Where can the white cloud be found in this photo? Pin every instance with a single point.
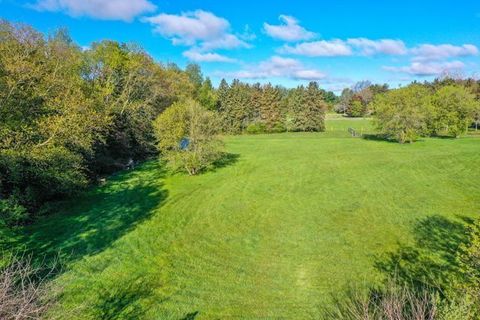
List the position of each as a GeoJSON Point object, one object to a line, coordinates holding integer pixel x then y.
{"type": "Point", "coordinates": [227, 41]}
{"type": "Point", "coordinates": [383, 46]}
{"type": "Point", "coordinates": [196, 28]}
{"type": "Point", "coordinates": [338, 47]}
{"type": "Point", "coordinates": [188, 28]}
{"type": "Point", "coordinates": [443, 51]}
{"type": "Point", "coordinates": [125, 10]}
{"type": "Point", "coordinates": [429, 68]}
{"type": "Point", "coordinates": [279, 67]}
{"type": "Point", "coordinates": [288, 31]}
{"type": "Point", "coordinates": [320, 48]}
{"type": "Point", "coordinates": [206, 57]}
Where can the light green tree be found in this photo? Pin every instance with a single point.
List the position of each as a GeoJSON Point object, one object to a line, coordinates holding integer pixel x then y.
{"type": "Point", "coordinates": [188, 137]}
{"type": "Point", "coordinates": [454, 106]}
{"type": "Point", "coordinates": [403, 114]}
{"type": "Point", "coordinates": [207, 95]}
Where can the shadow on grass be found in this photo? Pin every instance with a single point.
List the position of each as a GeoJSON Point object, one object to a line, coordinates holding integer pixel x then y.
{"type": "Point", "coordinates": [93, 221]}
{"type": "Point", "coordinates": [431, 262]}
{"type": "Point", "coordinates": [123, 301]}
{"type": "Point", "coordinates": [413, 275]}
{"type": "Point", "coordinates": [191, 316]}
{"type": "Point", "coordinates": [376, 137]}
{"type": "Point", "coordinates": [227, 159]}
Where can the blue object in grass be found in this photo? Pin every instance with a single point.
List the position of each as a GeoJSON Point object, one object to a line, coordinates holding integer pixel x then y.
{"type": "Point", "coordinates": [184, 143]}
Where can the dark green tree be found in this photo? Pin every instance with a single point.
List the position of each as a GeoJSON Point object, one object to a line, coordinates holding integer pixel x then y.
{"type": "Point", "coordinates": [271, 113]}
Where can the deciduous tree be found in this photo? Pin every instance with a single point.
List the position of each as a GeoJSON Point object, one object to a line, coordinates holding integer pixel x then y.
{"type": "Point", "coordinates": [187, 137]}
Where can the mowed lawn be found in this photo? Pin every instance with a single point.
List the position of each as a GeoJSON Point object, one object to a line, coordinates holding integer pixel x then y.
{"type": "Point", "coordinates": [289, 220]}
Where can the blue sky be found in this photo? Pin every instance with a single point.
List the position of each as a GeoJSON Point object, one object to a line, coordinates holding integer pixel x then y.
{"type": "Point", "coordinates": [285, 42]}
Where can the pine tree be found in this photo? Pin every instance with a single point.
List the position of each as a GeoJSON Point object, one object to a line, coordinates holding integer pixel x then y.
{"type": "Point", "coordinates": [313, 113]}
{"type": "Point", "coordinates": [296, 104]}
{"type": "Point", "coordinates": [270, 109]}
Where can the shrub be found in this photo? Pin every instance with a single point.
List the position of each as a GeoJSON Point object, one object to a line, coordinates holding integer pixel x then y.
{"type": "Point", "coordinates": [278, 128]}
{"type": "Point", "coordinates": [33, 177]}
{"type": "Point", "coordinates": [393, 302]}
{"type": "Point", "coordinates": [11, 212]}
{"type": "Point", "coordinates": [468, 259]}
{"type": "Point", "coordinates": [187, 137]}
{"type": "Point", "coordinates": [24, 290]}
{"type": "Point", "coordinates": [255, 128]}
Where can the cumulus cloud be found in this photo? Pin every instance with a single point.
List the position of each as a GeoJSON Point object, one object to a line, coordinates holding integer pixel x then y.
{"type": "Point", "coordinates": [279, 67]}
{"type": "Point", "coordinates": [429, 68]}
{"type": "Point", "coordinates": [320, 48]}
{"type": "Point", "coordinates": [443, 51]}
{"type": "Point", "coordinates": [289, 30]}
{"type": "Point", "coordinates": [383, 46]}
{"type": "Point", "coordinates": [338, 47]}
{"type": "Point", "coordinates": [196, 28]}
{"type": "Point", "coordinates": [227, 41]}
{"type": "Point", "coordinates": [125, 10]}
{"type": "Point", "coordinates": [206, 57]}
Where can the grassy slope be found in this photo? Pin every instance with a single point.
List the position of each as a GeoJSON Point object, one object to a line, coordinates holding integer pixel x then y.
{"type": "Point", "coordinates": [296, 217]}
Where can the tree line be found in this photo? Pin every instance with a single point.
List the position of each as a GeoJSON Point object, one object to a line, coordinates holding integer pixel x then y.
{"type": "Point", "coordinates": [443, 108]}
{"type": "Point", "coordinates": [257, 108]}
{"type": "Point", "coordinates": [70, 115]}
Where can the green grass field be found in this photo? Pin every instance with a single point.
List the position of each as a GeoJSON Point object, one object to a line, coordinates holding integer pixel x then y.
{"type": "Point", "coordinates": [289, 220]}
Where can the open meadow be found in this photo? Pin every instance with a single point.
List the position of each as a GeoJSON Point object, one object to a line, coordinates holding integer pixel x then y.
{"type": "Point", "coordinates": [284, 222]}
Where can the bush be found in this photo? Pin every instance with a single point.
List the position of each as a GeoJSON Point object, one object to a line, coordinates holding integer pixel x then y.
{"type": "Point", "coordinates": [468, 259]}
{"type": "Point", "coordinates": [256, 128]}
{"type": "Point", "coordinates": [393, 302]}
{"type": "Point", "coordinates": [24, 290]}
{"type": "Point", "coordinates": [33, 177]}
{"type": "Point", "coordinates": [188, 137]}
{"type": "Point", "coordinates": [278, 128]}
{"type": "Point", "coordinates": [12, 213]}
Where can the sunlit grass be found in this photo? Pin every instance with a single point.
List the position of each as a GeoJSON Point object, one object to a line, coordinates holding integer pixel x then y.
{"type": "Point", "coordinates": [297, 217]}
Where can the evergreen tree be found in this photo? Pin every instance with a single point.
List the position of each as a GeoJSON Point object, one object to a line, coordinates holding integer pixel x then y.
{"type": "Point", "coordinates": [270, 109]}
{"type": "Point", "coordinates": [295, 104]}
{"type": "Point", "coordinates": [313, 113]}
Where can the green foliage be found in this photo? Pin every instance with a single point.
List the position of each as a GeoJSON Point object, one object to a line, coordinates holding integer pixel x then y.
{"type": "Point", "coordinates": [403, 114]}
{"type": "Point", "coordinates": [234, 106]}
{"type": "Point", "coordinates": [35, 176]}
{"type": "Point", "coordinates": [68, 115]}
{"type": "Point", "coordinates": [270, 108]}
{"type": "Point", "coordinates": [421, 110]}
{"type": "Point", "coordinates": [256, 128]}
{"type": "Point", "coordinates": [354, 102]}
{"type": "Point", "coordinates": [356, 109]}
{"type": "Point", "coordinates": [469, 265]}
{"type": "Point", "coordinates": [207, 95]}
{"type": "Point", "coordinates": [454, 106]}
{"type": "Point", "coordinates": [11, 213]}
{"type": "Point", "coordinates": [188, 120]}
{"type": "Point", "coordinates": [278, 109]}
{"type": "Point", "coordinates": [307, 109]}
{"type": "Point", "coordinates": [195, 76]}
